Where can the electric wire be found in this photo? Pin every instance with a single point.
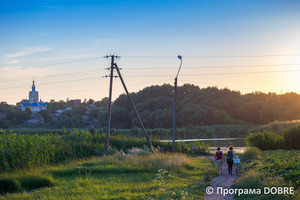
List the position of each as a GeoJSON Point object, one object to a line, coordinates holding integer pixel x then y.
{"type": "Point", "coordinates": [209, 67]}
{"type": "Point", "coordinates": [51, 83]}
{"type": "Point", "coordinates": [51, 76]}
{"type": "Point", "coordinates": [216, 56]}
{"type": "Point", "coordinates": [229, 73]}
{"type": "Point", "coordinates": [162, 75]}
{"type": "Point", "coordinates": [52, 64]}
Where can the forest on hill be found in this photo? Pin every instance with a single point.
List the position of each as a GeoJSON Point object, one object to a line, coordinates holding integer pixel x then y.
{"type": "Point", "coordinates": [195, 106]}
{"type": "Point", "coordinates": [203, 106]}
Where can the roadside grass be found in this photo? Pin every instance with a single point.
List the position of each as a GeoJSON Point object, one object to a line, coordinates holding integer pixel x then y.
{"type": "Point", "coordinates": [124, 176]}
{"type": "Point", "coordinates": [276, 168]}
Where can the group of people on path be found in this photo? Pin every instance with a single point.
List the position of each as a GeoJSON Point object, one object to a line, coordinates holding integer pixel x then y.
{"type": "Point", "coordinates": [220, 159]}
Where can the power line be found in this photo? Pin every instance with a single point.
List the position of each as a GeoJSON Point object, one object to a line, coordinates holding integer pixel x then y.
{"type": "Point", "coordinates": [51, 64]}
{"type": "Point", "coordinates": [156, 57]}
{"type": "Point", "coordinates": [85, 79]}
{"type": "Point", "coordinates": [219, 66]}
{"type": "Point", "coordinates": [56, 75]}
{"type": "Point", "coordinates": [95, 89]}
{"type": "Point", "coordinates": [164, 75]}
{"type": "Point", "coordinates": [216, 56]}
{"type": "Point", "coordinates": [230, 73]}
{"type": "Point", "coordinates": [208, 67]}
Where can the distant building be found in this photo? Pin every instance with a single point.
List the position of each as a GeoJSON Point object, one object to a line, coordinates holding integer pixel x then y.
{"type": "Point", "coordinates": [34, 104]}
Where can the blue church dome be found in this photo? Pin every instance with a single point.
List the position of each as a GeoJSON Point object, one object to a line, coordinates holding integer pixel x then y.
{"type": "Point", "coordinates": [34, 104]}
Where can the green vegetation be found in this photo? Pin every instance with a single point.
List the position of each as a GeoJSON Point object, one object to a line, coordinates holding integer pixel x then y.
{"type": "Point", "coordinates": [279, 168]}
{"type": "Point", "coordinates": [17, 184]}
{"type": "Point", "coordinates": [138, 174]}
{"type": "Point", "coordinates": [19, 151]}
{"type": "Point", "coordinates": [24, 151]}
{"type": "Point", "coordinates": [288, 139]}
{"type": "Point", "coordinates": [213, 131]}
{"type": "Point", "coordinates": [206, 106]}
{"type": "Point", "coordinates": [265, 140]}
{"type": "Point", "coordinates": [196, 107]}
{"type": "Point", "coordinates": [9, 185]}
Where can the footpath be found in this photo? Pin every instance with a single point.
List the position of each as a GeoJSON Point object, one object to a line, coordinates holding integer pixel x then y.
{"type": "Point", "coordinates": [225, 181]}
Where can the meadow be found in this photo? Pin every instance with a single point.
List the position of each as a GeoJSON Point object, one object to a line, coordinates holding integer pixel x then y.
{"type": "Point", "coordinates": [139, 174]}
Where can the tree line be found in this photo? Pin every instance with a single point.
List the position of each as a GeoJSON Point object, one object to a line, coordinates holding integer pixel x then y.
{"type": "Point", "coordinates": [204, 106]}
{"type": "Point", "coordinates": [196, 106]}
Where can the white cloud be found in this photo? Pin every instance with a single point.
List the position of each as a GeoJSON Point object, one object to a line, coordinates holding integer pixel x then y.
{"type": "Point", "coordinates": [28, 51]}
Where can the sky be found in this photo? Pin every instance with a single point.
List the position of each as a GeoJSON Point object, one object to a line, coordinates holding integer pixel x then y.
{"type": "Point", "coordinates": [247, 46]}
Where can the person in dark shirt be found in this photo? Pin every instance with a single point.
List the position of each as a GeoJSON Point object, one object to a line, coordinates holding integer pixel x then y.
{"type": "Point", "coordinates": [229, 158]}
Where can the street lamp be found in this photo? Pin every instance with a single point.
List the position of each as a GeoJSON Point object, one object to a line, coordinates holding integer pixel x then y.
{"type": "Point", "coordinates": [174, 108]}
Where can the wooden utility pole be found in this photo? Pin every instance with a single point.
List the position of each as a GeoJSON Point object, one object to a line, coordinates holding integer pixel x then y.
{"type": "Point", "coordinates": [112, 67]}
{"type": "Point", "coordinates": [109, 101]}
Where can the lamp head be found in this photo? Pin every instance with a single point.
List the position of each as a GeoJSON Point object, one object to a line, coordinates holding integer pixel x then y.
{"type": "Point", "coordinates": [179, 56]}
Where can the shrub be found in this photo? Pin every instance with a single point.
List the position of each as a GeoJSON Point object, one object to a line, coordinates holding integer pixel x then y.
{"type": "Point", "coordinates": [9, 185]}
{"type": "Point", "coordinates": [34, 182]}
{"type": "Point", "coordinates": [292, 138]}
{"type": "Point", "coordinates": [265, 140]}
{"type": "Point", "coordinates": [250, 154]}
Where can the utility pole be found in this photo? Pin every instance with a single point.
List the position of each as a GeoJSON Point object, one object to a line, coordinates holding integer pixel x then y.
{"type": "Point", "coordinates": [109, 101]}
{"type": "Point", "coordinates": [174, 107]}
{"type": "Point", "coordinates": [112, 67]}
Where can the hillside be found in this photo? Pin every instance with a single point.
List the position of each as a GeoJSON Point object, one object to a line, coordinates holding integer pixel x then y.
{"type": "Point", "coordinates": [196, 106]}
{"type": "Point", "coordinates": [205, 106]}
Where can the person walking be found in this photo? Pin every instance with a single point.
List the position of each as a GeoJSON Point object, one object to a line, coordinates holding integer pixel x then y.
{"type": "Point", "coordinates": [219, 159]}
{"type": "Point", "coordinates": [229, 158]}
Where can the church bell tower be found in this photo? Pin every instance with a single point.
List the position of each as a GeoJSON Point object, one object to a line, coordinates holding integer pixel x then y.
{"type": "Point", "coordinates": [33, 95]}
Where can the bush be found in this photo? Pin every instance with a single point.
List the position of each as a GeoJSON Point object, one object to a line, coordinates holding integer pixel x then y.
{"type": "Point", "coordinates": [291, 138]}
{"type": "Point", "coordinates": [265, 140]}
{"type": "Point", "coordinates": [250, 154]}
{"type": "Point", "coordinates": [9, 185]}
{"type": "Point", "coordinates": [34, 182]}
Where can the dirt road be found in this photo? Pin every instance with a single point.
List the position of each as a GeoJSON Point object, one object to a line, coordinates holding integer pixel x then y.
{"type": "Point", "coordinates": [225, 181]}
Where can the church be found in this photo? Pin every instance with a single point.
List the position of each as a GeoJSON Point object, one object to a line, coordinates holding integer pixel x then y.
{"type": "Point", "coordinates": [34, 104]}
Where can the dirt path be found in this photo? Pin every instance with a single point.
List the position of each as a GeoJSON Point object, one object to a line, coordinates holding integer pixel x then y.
{"type": "Point", "coordinates": [225, 181]}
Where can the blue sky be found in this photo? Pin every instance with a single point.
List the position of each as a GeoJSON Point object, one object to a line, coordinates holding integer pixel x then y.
{"type": "Point", "coordinates": [35, 34]}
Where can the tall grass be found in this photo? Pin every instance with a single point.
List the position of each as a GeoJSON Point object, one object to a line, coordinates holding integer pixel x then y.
{"type": "Point", "coordinates": [23, 151]}
{"type": "Point", "coordinates": [19, 151]}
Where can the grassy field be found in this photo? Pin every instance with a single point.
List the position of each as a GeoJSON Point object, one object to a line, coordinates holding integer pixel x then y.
{"type": "Point", "coordinates": [276, 168]}
{"type": "Point", "coordinates": [135, 175]}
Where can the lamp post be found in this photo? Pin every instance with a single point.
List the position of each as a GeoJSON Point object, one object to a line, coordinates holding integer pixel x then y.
{"type": "Point", "coordinates": [174, 108]}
